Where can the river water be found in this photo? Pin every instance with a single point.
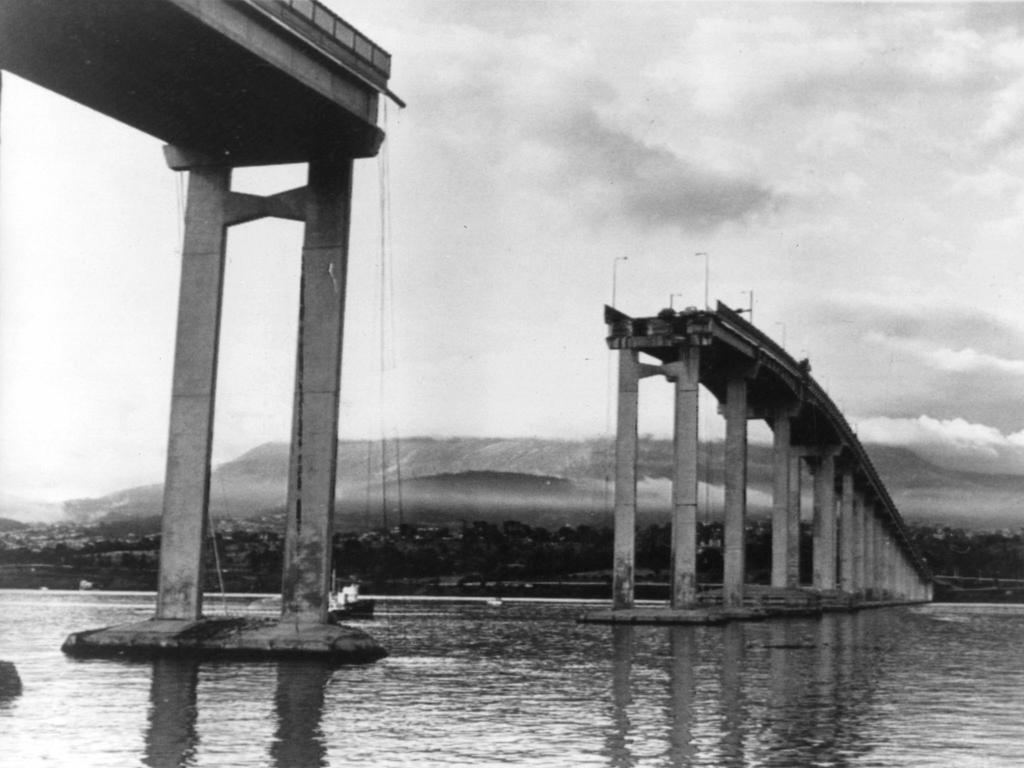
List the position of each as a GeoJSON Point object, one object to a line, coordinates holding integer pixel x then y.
{"type": "Point", "coordinates": [523, 684]}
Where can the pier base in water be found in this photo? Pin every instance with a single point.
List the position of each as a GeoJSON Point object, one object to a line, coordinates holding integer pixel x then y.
{"type": "Point", "coordinates": [762, 603]}
{"type": "Point", "coordinates": [235, 638]}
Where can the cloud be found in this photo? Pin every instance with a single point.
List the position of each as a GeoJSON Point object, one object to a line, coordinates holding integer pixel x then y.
{"type": "Point", "coordinates": [651, 185]}
{"type": "Point", "coordinates": [926, 330]}
{"type": "Point", "coordinates": [1003, 123]}
{"type": "Point", "coordinates": [900, 361]}
{"type": "Point", "coordinates": [832, 57]}
{"type": "Point", "coordinates": [952, 443]}
{"type": "Point", "coordinates": [925, 430]}
{"type": "Point", "coordinates": [992, 182]}
{"type": "Point", "coordinates": [943, 358]}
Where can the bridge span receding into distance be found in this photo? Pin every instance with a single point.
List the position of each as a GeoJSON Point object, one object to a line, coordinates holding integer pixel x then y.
{"type": "Point", "coordinates": [862, 553]}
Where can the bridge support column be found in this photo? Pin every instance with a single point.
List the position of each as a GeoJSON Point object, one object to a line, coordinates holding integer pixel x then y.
{"type": "Point", "coordinates": [625, 480]}
{"type": "Point", "coordinates": [314, 450]}
{"type": "Point", "coordinates": [796, 465]}
{"type": "Point", "coordinates": [686, 372]}
{"type": "Point", "coordinates": [187, 483]}
{"type": "Point", "coordinates": [785, 542]}
{"type": "Point", "coordinates": [858, 544]}
{"type": "Point", "coordinates": [823, 524]}
{"type": "Point", "coordinates": [890, 563]}
{"type": "Point", "coordinates": [734, 571]}
{"type": "Point", "coordinates": [847, 580]}
{"type": "Point", "coordinates": [872, 543]}
{"type": "Point", "coordinates": [880, 539]}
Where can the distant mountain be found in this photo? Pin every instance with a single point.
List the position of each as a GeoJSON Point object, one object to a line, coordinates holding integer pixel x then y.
{"type": "Point", "coordinates": [548, 482]}
{"type": "Point", "coordinates": [27, 511]}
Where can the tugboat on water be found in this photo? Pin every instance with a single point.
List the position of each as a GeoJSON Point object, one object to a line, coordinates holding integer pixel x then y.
{"type": "Point", "coordinates": [346, 604]}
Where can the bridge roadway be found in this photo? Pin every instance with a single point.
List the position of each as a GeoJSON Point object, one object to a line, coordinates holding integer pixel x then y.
{"type": "Point", "coordinates": [862, 553]}
{"type": "Point", "coordinates": [230, 84]}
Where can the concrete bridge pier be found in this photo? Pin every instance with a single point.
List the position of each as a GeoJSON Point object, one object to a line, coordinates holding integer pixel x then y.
{"type": "Point", "coordinates": [858, 544]}
{"type": "Point", "coordinates": [624, 555]}
{"type": "Point", "coordinates": [187, 484]}
{"type": "Point", "coordinates": [870, 547]}
{"type": "Point", "coordinates": [314, 448]}
{"type": "Point", "coordinates": [793, 557]}
{"type": "Point", "coordinates": [785, 502]}
{"type": "Point", "coordinates": [880, 550]}
{"type": "Point", "coordinates": [734, 567]}
{"type": "Point", "coordinates": [685, 373]}
{"type": "Point", "coordinates": [847, 578]}
{"type": "Point", "coordinates": [823, 522]}
{"type": "Point", "coordinates": [881, 571]}
{"type": "Point", "coordinates": [323, 205]}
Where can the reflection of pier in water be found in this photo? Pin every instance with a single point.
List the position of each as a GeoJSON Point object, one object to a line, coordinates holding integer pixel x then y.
{"type": "Point", "coordinates": [797, 691]}
{"type": "Point", "coordinates": [173, 736]}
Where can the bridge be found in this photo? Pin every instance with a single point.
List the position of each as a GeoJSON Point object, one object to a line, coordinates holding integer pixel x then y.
{"type": "Point", "coordinates": [231, 84]}
{"type": "Point", "coordinates": [262, 82]}
{"type": "Point", "coordinates": [862, 554]}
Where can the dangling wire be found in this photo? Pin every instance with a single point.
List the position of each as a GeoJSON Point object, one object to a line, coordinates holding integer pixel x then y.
{"type": "Point", "coordinates": [386, 307]}
{"type": "Point", "coordinates": [386, 294]}
{"type": "Point", "coordinates": [216, 550]}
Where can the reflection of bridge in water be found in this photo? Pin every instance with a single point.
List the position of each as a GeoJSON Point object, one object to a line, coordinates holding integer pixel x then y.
{"type": "Point", "coordinates": [173, 734]}
{"type": "Point", "coordinates": [861, 551]}
{"type": "Point", "coordinates": [793, 692]}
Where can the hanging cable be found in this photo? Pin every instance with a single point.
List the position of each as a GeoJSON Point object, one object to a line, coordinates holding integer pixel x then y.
{"type": "Point", "coordinates": [212, 525]}
{"type": "Point", "coordinates": [386, 322]}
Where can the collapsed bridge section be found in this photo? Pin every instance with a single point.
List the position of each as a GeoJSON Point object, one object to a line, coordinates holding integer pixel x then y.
{"type": "Point", "coordinates": [862, 552]}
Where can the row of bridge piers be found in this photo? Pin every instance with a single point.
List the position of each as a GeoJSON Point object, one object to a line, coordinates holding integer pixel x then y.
{"type": "Point", "coordinates": [861, 552]}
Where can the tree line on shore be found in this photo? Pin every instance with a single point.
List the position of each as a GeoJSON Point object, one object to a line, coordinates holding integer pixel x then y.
{"type": "Point", "coordinates": [465, 557]}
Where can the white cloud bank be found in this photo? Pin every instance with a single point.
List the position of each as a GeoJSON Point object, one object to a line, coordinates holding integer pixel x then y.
{"type": "Point", "coordinates": [951, 443]}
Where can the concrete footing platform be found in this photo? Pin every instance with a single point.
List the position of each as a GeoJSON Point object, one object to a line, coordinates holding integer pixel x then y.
{"type": "Point", "coordinates": [813, 605]}
{"type": "Point", "coordinates": [657, 615]}
{"type": "Point", "coordinates": [232, 638]}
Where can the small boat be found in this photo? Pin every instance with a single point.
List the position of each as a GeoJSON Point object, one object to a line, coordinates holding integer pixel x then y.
{"type": "Point", "coordinates": [85, 584]}
{"type": "Point", "coordinates": [494, 602]}
{"type": "Point", "coordinates": [346, 605]}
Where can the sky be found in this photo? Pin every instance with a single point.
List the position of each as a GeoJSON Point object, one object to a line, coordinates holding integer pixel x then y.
{"type": "Point", "coordinates": [858, 169]}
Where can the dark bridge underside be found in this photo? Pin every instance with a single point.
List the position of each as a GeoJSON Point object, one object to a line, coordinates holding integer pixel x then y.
{"type": "Point", "coordinates": [219, 78]}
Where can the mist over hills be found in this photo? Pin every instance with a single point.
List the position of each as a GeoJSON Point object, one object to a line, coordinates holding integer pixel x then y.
{"type": "Point", "coordinates": [549, 483]}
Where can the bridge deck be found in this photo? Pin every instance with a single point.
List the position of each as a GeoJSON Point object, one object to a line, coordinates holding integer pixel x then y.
{"type": "Point", "coordinates": [258, 81]}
